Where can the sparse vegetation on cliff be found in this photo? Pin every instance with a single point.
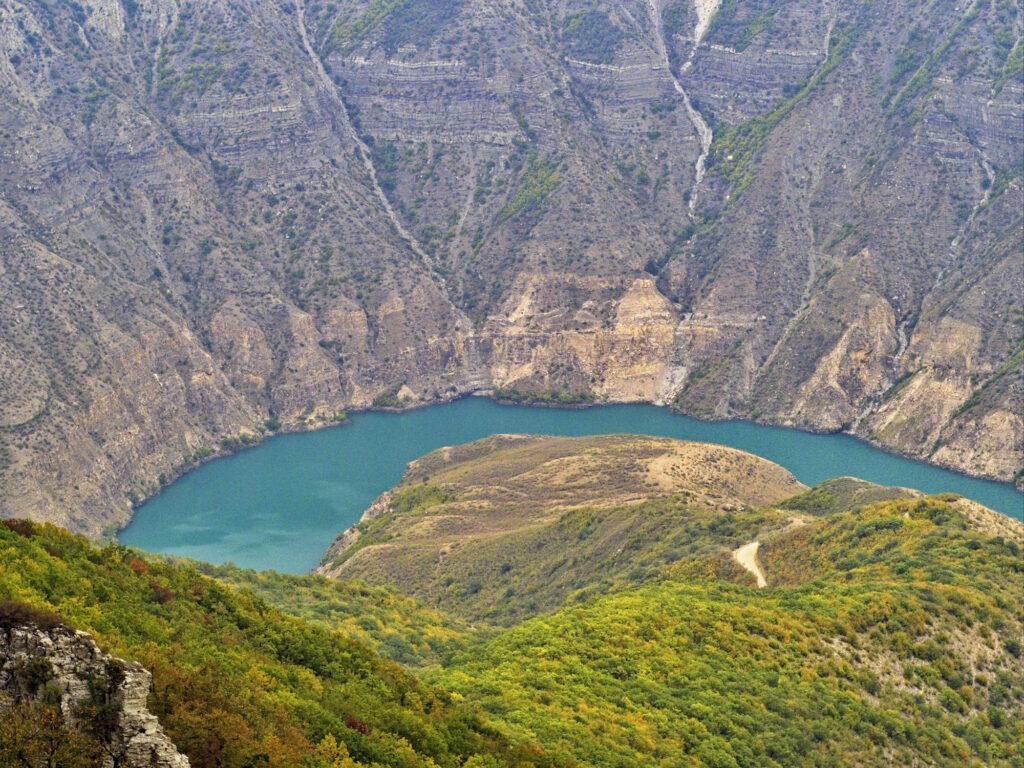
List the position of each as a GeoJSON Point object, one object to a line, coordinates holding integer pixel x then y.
{"type": "Point", "coordinates": [591, 35]}
{"type": "Point", "coordinates": [542, 397]}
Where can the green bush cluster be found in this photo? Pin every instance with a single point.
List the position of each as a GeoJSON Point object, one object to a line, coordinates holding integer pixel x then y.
{"type": "Point", "coordinates": [544, 396]}
{"type": "Point", "coordinates": [539, 180]}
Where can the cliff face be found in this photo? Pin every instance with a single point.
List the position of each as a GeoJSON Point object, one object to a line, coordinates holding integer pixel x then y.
{"type": "Point", "coordinates": [215, 216]}
{"type": "Point", "coordinates": [50, 662]}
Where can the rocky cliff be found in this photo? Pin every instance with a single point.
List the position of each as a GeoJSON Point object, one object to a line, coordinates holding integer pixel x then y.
{"type": "Point", "coordinates": [103, 696]}
{"type": "Point", "coordinates": [221, 219]}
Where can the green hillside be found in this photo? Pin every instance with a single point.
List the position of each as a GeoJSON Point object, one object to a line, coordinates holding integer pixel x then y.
{"type": "Point", "coordinates": [235, 682]}
{"type": "Point", "coordinates": [890, 630]}
{"type": "Point", "coordinates": [896, 641]}
{"type": "Point", "coordinates": [503, 528]}
{"type": "Point", "coordinates": [396, 626]}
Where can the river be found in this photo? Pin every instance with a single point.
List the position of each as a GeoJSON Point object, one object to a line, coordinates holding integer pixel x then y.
{"type": "Point", "coordinates": [280, 504]}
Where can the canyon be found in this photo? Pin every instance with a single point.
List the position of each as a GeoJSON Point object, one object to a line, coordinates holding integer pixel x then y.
{"type": "Point", "coordinates": [221, 222]}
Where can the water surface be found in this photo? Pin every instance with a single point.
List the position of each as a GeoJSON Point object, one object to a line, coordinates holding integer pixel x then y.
{"type": "Point", "coordinates": [279, 505]}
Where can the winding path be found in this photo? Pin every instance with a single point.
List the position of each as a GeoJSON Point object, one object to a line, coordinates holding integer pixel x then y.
{"type": "Point", "coordinates": [747, 557]}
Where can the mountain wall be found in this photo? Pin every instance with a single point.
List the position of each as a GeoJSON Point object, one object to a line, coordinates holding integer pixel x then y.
{"type": "Point", "coordinates": [221, 219]}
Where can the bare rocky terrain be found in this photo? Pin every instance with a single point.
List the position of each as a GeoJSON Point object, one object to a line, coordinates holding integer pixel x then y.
{"type": "Point", "coordinates": [222, 219]}
{"type": "Point", "coordinates": [49, 662]}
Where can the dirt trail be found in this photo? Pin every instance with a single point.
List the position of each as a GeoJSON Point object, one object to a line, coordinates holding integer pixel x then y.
{"type": "Point", "coordinates": [747, 557]}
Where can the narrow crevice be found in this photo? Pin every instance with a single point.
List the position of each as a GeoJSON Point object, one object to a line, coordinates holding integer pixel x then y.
{"type": "Point", "coordinates": [704, 133]}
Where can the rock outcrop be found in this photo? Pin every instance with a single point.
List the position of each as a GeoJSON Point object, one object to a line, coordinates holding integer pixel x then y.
{"type": "Point", "coordinates": [71, 668]}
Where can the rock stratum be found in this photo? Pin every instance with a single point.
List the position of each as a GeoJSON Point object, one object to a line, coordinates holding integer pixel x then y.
{"type": "Point", "coordinates": [98, 695]}
{"type": "Point", "coordinates": [220, 220]}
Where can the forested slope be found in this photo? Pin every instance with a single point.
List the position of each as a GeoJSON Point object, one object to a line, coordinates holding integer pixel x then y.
{"type": "Point", "coordinates": [890, 628]}
{"type": "Point", "coordinates": [236, 683]}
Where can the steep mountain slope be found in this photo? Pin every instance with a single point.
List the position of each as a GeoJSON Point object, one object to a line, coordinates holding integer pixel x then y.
{"type": "Point", "coordinates": [218, 219]}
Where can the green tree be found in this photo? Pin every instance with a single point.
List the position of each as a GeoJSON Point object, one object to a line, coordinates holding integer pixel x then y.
{"type": "Point", "coordinates": [35, 735]}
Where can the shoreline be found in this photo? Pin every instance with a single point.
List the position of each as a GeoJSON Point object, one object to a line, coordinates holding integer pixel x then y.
{"type": "Point", "coordinates": [224, 452]}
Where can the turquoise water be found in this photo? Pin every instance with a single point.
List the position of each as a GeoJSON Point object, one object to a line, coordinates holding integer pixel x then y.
{"type": "Point", "coordinates": [280, 505]}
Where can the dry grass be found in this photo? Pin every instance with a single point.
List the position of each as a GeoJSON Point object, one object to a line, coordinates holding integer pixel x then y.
{"type": "Point", "coordinates": [549, 519]}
